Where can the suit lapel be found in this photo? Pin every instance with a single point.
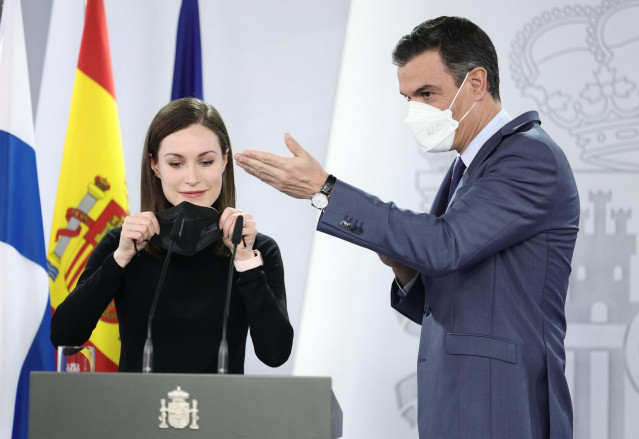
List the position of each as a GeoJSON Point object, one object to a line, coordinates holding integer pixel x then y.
{"type": "Point", "coordinates": [512, 127]}
{"type": "Point", "coordinates": [441, 199]}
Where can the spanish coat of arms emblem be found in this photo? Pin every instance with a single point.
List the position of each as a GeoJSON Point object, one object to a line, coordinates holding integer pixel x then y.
{"type": "Point", "coordinates": [178, 412]}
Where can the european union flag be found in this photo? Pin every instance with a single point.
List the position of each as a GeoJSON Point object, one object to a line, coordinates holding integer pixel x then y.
{"type": "Point", "coordinates": [187, 72]}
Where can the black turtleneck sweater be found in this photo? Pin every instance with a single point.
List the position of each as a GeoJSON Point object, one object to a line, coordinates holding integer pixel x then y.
{"type": "Point", "coordinates": [187, 326]}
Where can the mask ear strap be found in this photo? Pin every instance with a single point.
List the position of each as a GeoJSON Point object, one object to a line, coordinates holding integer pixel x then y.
{"type": "Point", "coordinates": [458, 90]}
{"type": "Point", "coordinates": [471, 107]}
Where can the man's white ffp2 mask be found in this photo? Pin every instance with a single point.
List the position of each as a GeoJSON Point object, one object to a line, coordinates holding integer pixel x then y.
{"type": "Point", "coordinates": [433, 129]}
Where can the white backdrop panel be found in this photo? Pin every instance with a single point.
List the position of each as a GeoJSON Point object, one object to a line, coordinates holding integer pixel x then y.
{"type": "Point", "coordinates": [574, 64]}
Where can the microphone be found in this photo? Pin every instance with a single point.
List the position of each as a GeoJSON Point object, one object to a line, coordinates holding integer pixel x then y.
{"type": "Point", "coordinates": [237, 231]}
{"type": "Point", "coordinates": [147, 355]}
{"type": "Point", "coordinates": [223, 352]}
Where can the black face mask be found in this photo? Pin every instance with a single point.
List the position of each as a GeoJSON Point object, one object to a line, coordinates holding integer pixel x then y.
{"type": "Point", "coordinates": [200, 229]}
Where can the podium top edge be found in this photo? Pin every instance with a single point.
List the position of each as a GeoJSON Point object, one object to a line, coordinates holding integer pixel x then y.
{"type": "Point", "coordinates": [194, 375]}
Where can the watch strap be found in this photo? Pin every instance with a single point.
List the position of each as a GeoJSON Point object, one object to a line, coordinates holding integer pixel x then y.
{"type": "Point", "coordinates": [328, 185]}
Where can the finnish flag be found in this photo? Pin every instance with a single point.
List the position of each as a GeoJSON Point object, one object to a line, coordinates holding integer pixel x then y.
{"type": "Point", "coordinates": [24, 290]}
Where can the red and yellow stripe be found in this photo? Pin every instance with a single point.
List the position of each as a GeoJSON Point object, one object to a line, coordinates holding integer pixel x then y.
{"type": "Point", "coordinates": [92, 195]}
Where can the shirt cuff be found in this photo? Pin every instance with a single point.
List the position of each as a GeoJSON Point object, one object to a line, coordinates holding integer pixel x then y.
{"type": "Point", "coordinates": [257, 261]}
{"type": "Point", "coordinates": [403, 291]}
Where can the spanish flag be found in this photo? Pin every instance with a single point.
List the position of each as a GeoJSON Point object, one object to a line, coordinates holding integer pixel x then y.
{"type": "Point", "coordinates": [92, 195]}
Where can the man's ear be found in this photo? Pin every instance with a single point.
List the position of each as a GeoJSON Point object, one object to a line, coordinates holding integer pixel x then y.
{"type": "Point", "coordinates": [154, 166]}
{"type": "Point", "coordinates": [478, 79]}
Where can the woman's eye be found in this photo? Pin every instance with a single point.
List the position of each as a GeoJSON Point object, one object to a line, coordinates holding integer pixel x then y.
{"type": "Point", "coordinates": [174, 164]}
{"type": "Point", "coordinates": [206, 163]}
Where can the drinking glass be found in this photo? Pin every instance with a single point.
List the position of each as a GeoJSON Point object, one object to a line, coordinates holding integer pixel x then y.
{"type": "Point", "coordinates": [76, 359]}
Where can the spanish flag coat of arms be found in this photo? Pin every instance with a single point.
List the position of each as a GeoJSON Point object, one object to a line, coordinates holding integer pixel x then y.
{"type": "Point", "coordinates": [92, 195]}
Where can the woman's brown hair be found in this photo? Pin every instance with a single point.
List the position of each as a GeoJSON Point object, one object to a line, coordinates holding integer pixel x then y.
{"type": "Point", "coordinates": [175, 116]}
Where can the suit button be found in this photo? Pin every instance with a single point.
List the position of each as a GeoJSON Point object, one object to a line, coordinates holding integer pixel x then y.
{"type": "Point", "coordinates": [427, 311]}
{"type": "Point", "coordinates": [421, 360]}
{"type": "Point", "coordinates": [345, 224]}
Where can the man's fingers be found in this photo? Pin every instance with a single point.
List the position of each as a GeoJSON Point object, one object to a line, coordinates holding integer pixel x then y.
{"type": "Point", "coordinates": [249, 165]}
{"type": "Point", "coordinates": [299, 176]}
{"type": "Point", "coordinates": [253, 166]}
{"type": "Point", "coordinates": [262, 161]}
{"type": "Point", "coordinates": [268, 174]}
{"type": "Point", "coordinates": [262, 157]}
{"type": "Point", "coordinates": [293, 146]}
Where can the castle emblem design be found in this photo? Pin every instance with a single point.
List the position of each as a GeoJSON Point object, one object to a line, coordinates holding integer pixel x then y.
{"type": "Point", "coordinates": [602, 342]}
{"type": "Point", "coordinates": [75, 242]}
{"type": "Point", "coordinates": [178, 413]}
{"type": "Point", "coordinates": [576, 64]}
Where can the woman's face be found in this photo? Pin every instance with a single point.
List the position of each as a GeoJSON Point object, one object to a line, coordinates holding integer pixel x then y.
{"type": "Point", "coordinates": [191, 165]}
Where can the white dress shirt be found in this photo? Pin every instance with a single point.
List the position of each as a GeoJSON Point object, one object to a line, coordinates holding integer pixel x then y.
{"type": "Point", "coordinates": [467, 156]}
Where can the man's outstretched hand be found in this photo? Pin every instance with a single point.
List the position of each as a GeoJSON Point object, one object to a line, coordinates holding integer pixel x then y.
{"type": "Point", "coordinates": [299, 176]}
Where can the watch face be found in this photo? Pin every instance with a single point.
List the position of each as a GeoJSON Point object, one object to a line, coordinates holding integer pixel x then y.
{"type": "Point", "coordinates": [319, 200]}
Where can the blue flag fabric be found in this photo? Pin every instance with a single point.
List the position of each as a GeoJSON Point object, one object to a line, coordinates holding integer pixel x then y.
{"type": "Point", "coordinates": [187, 71]}
{"type": "Point", "coordinates": [25, 313]}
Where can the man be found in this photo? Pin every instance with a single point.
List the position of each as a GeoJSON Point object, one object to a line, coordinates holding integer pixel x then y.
{"type": "Point", "coordinates": [486, 272]}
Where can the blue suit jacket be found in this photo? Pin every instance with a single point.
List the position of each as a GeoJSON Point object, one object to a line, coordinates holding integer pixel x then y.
{"type": "Point", "coordinates": [494, 272]}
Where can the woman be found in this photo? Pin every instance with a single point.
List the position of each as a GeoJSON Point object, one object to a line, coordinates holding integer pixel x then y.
{"type": "Point", "coordinates": [187, 157]}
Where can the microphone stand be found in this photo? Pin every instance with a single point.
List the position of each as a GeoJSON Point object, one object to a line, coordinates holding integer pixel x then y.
{"type": "Point", "coordinates": [147, 355]}
{"type": "Point", "coordinates": [223, 352]}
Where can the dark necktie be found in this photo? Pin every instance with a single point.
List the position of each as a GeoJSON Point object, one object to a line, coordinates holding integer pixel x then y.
{"type": "Point", "coordinates": [458, 171]}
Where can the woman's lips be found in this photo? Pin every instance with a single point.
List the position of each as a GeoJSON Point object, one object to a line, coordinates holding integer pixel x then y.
{"type": "Point", "coordinates": [193, 194]}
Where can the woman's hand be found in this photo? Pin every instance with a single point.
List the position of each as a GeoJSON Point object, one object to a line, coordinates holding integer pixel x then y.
{"type": "Point", "coordinates": [249, 232]}
{"type": "Point", "coordinates": [403, 273]}
{"type": "Point", "coordinates": [137, 229]}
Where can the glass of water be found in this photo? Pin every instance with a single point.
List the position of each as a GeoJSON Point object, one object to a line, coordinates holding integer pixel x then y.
{"type": "Point", "coordinates": [76, 359]}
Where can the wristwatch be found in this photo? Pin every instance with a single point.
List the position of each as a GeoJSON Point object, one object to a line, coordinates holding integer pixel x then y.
{"type": "Point", "coordinates": [320, 199]}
